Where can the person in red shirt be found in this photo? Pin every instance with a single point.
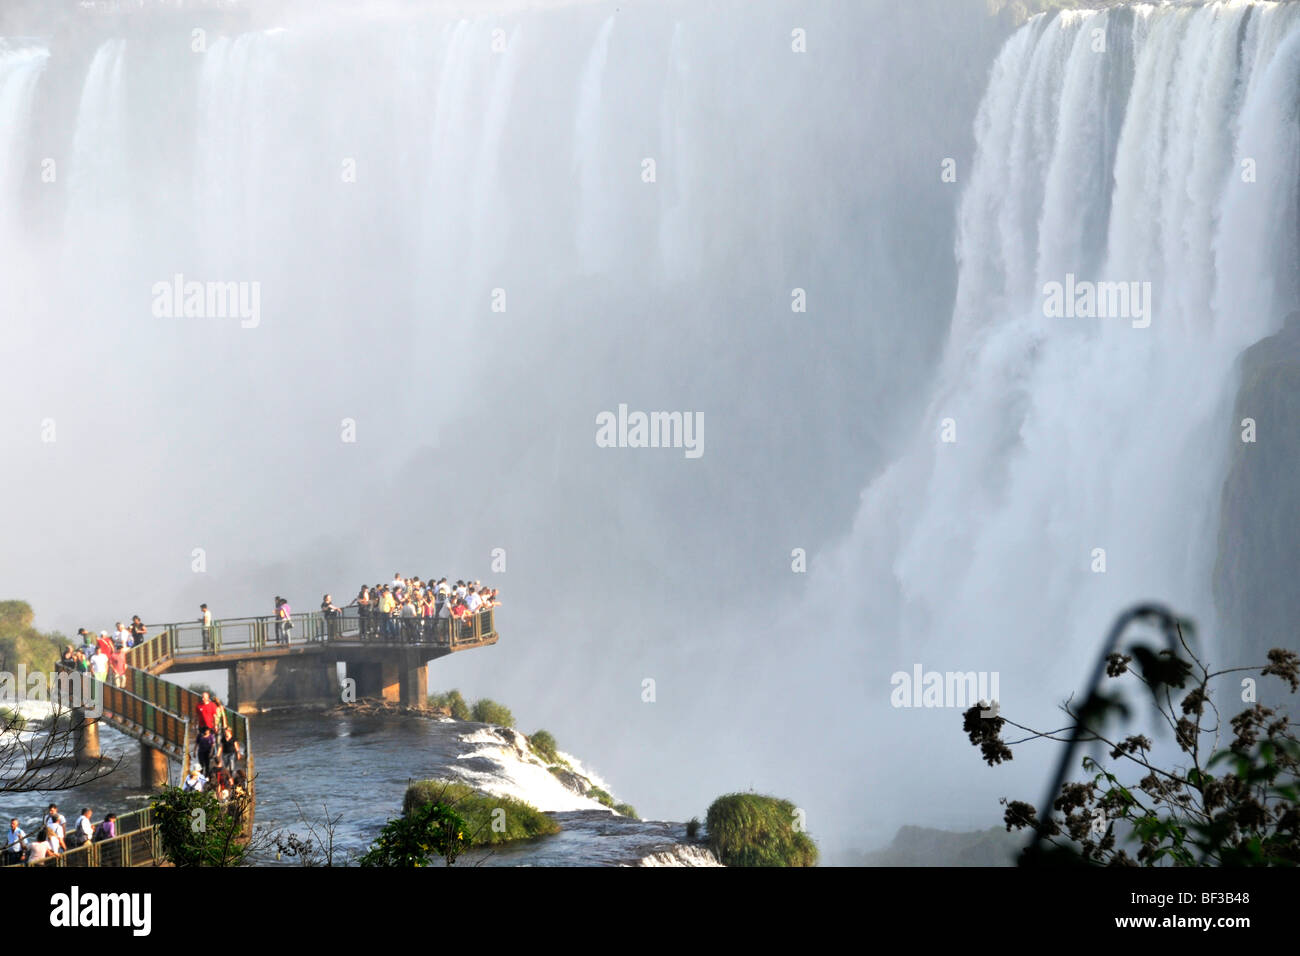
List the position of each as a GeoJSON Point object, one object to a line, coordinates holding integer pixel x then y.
{"type": "Point", "coordinates": [105, 643]}
{"type": "Point", "coordinates": [117, 666]}
{"type": "Point", "coordinates": [207, 714]}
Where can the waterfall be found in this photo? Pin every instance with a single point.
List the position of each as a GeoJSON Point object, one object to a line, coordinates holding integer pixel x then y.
{"type": "Point", "coordinates": [1078, 435]}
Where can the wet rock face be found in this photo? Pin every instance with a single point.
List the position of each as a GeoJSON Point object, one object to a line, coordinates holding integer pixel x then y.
{"type": "Point", "coordinates": [1259, 525]}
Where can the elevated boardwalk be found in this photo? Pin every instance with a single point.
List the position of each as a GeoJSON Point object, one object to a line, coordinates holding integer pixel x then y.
{"type": "Point", "coordinates": [268, 666]}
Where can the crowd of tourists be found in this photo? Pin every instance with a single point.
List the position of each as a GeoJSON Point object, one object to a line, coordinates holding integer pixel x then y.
{"type": "Point", "coordinates": [55, 836]}
{"type": "Point", "coordinates": [412, 610]}
{"type": "Point", "coordinates": [103, 655]}
{"type": "Point", "coordinates": [216, 754]}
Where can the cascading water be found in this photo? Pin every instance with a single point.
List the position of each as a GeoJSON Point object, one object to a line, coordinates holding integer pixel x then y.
{"type": "Point", "coordinates": [1171, 159]}
{"type": "Point", "coordinates": [380, 177]}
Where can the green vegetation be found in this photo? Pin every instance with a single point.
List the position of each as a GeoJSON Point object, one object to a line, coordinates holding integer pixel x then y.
{"type": "Point", "coordinates": [747, 829]}
{"type": "Point", "coordinates": [195, 829]}
{"type": "Point", "coordinates": [1238, 806]}
{"type": "Point", "coordinates": [10, 719]}
{"type": "Point", "coordinates": [488, 820]}
{"type": "Point", "coordinates": [601, 797]}
{"type": "Point", "coordinates": [544, 746]}
{"type": "Point", "coordinates": [626, 810]}
{"type": "Point", "coordinates": [490, 712]}
{"type": "Point", "coordinates": [454, 702]}
{"type": "Point", "coordinates": [692, 828]}
{"type": "Point", "coordinates": [20, 642]}
{"type": "Point", "coordinates": [422, 832]}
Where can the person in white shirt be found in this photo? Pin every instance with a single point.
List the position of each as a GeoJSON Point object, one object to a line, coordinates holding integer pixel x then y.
{"type": "Point", "coordinates": [37, 848]}
{"type": "Point", "coordinates": [99, 666]}
{"type": "Point", "coordinates": [83, 830]}
{"type": "Point", "coordinates": [14, 843]}
{"type": "Point", "coordinates": [473, 602]}
{"type": "Point", "coordinates": [195, 781]}
{"type": "Point", "coordinates": [55, 838]}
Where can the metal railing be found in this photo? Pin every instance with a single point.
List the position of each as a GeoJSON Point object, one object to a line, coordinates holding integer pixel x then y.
{"type": "Point", "coordinates": [146, 716]}
{"type": "Point", "coordinates": [250, 634]}
{"type": "Point", "coordinates": [136, 844]}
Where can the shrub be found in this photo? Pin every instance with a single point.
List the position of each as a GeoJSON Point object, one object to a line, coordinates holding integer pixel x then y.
{"type": "Point", "coordinates": [417, 836]}
{"type": "Point", "coordinates": [454, 702]}
{"type": "Point", "coordinates": [195, 829]}
{"type": "Point", "coordinates": [490, 712]}
{"type": "Point", "coordinates": [483, 826]}
{"type": "Point", "coordinates": [626, 810]}
{"type": "Point", "coordinates": [692, 828]}
{"type": "Point", "coordinates": [748, 829]}
{"type": "Point", "coordinates": [543, 745]}
{"type": "Point", "coordinates": [601, 797]}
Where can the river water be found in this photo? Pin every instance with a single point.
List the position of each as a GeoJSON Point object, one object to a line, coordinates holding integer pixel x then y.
{"type": "Point", "coordinates": [310, 764]}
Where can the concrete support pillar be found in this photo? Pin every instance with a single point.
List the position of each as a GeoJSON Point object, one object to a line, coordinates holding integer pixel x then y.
{"type": "Point", "coordinates": [85, 736]}
{"type": "Point", "coordinates": [255, 685]}
{"type": "Point", "coordinates": [414, 686]}
{"type": "Point", "coordinates": [153, 768]}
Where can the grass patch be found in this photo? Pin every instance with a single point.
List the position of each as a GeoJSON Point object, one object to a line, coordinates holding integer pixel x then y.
{"type": "Point", "coordinates": [748, 829]}
{"type": "Point", "coordinates": [626, 810]}
{"type": "Point", "coordinates": [490, 712]}
{"type": "Point", "coordinates": [483, 827]}
{"type": "Point", "coordinates": [601, 797]}
{"type": "Point", "coordinates": [454, 702]}
{"type": "Point", "coordinates": [543, 745]}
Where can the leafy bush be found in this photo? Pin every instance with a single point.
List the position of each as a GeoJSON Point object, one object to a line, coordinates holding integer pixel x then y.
{"type": "Point", "coordinates": [748, 829]}
{"type": "Point", "coordinates": [626, 810]}
{"type": "Point", "coordinates": [1238, 806]}
{"type": "Point", "coordinates": [195, 829]}
{"type": "Point", "coordinates": [544, 746]}
{"type": "Point", "coordinates": [601, 797]}
{"type": "Point", "coordinates": [692, 828]}
{"type": "Point", "coordinates": [22, 644]}
{"type": "Point", "coordinates": [483, 825]}
{"type": "Point", "coordinates": [421, 833]}
{"type": "Point", "coordinates": [490, 712]}
{"type": "Point", "coordinates": [454, 702]}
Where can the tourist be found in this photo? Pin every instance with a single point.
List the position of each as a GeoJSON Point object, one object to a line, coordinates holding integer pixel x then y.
{"type": "Point", "coordinates": [408, 616]}
{"type": "Point", "coordinates": [230, 753]}
{"type": "Point", "coordinates": [104, 643]}
{"type": "Point", "coordinates": [363, 603]}
{"type": "Point", "coordinates": [219, 720]}
{"type": "Point", "coordinates": [194, 781]}
{"type": "Point", "coordinates": [283, 620]}
{"type": "Point", "coordinates": [14, 849]}
{"type": "Point", "coordinates": [107, 829]}
{"type": "Point", "coordinates": [117, 664]}
{"type": "Point", "coordinates": [207, 711]}
{"type": "Point", "coordinates": [53, 825]}
{"type": "Point", "coordinates": [80, 662]}
{"type": "Point", "coordinates": [203, 749]}
{"type": "Point", "coordinates": [331, 613]}
{"type": "Point", "coordinates": [99, 665]}
{"type": "Point", "coordinates": [137, 630]}
{"type": "Point", "coordinates": [38, 848]}
{"type": "Point", "coordinates": [123, 635]}
{"type": "Point", "coordinates": [83, 831]}
{"type": "Point", "coordinates": [205, 618]}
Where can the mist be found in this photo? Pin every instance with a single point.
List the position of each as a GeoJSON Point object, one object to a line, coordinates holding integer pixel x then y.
{"type": "Point", "coordinates": [436, 244]}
